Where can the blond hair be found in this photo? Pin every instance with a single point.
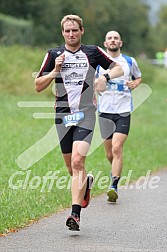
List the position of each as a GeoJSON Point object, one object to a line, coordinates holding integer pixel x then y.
{"type": "Point", "coordinates": [72, 18]}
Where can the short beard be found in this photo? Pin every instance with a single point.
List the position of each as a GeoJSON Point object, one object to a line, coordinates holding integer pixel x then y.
{"type": "Point", "coordinates": [113, 49]}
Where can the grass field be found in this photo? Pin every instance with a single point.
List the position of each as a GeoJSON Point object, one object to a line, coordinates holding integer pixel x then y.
{"type": "Point", "coordinates": [32, 199]}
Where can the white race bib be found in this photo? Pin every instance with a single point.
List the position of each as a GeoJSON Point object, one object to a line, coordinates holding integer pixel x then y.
{"type": "Point", "coordinates": [73, 119]}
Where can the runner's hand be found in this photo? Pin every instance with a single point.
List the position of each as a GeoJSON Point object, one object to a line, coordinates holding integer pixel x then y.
{"type": "Point", "coordinates": [131, 84]}
{"type": "Point", "coordinates": [100, 84]}
{"type": "Point", "coordinates": [58, 62]}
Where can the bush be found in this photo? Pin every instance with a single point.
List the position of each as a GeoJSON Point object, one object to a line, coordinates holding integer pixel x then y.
{"type": "Point", "coordinates": [15, 31]}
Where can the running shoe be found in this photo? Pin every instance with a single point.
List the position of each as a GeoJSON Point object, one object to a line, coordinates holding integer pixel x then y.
{"type": "Point", "coordinates": [87, 196]}
{"type": "Point", "coordinates": [73, 222]}
{"type": "Point", "coordinates": [112, 194]}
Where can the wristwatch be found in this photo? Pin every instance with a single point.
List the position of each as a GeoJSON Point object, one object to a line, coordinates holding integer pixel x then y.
{"type": "Point", "coordinates": [107, 76]}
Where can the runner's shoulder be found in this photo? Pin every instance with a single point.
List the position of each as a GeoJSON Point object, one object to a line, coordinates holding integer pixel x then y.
{"type": "Point", "coordinates": [57, 50]}
{"type": "Point", "coordinates": [90, 48]}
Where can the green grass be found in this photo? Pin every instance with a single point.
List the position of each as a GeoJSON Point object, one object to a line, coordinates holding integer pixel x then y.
{"type": "Point", "coordinates": [143, 151]}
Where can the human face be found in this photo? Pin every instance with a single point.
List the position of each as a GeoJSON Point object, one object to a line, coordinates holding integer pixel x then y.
{"type": "Point", "coordinates": [72, 35]}
{"type": "Point", "coordinates": [113, 41]}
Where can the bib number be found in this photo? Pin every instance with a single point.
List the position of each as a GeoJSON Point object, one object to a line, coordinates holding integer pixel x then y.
{"type": "Point", "coordinates": [73, 119]}
{"type": "Point", "coordinates": [117, 86]}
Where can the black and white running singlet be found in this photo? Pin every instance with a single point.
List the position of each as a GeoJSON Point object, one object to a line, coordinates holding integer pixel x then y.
{"type": "Point", "coordinates": [75, 82]}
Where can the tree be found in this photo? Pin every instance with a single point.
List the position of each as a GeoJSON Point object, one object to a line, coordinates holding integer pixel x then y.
{"type": "Point", "coordinates": [17, 8]}
{"type": "Point", "coordinates": [160, 29]}
{"type": "Point", "coordinates": [129, 17]}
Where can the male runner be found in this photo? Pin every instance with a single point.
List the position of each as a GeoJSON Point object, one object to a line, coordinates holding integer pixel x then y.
{"type": "Point", "coordinates": [73, 66]}
{"type": "Point", "coordinates": [115, 105]}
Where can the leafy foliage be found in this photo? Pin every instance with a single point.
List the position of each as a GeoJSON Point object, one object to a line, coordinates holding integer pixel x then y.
{"type": "Point", "coordinates": [129, 17]}
{"type": "Point", "coordinates": [15, 31]}
{"type": "Point", "coordinates": [161, 28]}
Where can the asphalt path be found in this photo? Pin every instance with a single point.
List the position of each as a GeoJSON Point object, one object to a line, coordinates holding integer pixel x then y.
{"type": "Point", "coordinates": [137, 222]}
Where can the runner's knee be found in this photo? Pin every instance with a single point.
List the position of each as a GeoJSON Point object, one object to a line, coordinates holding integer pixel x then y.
{"type": "Point", "coordinates": [109, 156]}
{"type": "Point", "coordinates": [116, 149]}
{"type": "Point", "coordinates": [77, 163]}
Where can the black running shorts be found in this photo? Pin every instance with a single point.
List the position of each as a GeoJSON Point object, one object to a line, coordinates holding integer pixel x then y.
{"type": "Point", "coordinates": [111, 123]}
{"type": "Point", "coordinates": [82, 132]}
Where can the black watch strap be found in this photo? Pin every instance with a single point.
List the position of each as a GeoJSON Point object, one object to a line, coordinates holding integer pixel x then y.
{"type": "Point", "coordinates": [107, 76]}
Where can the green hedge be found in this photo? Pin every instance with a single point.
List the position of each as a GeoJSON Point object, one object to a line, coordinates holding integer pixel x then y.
{"type": "Point", "coordinates": [15, 31]}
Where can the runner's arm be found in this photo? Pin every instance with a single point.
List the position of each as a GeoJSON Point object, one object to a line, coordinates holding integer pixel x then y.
{"type": "Point", "coordinates": [132, 84]}
{"type": "Point", "coordinates": [42, 82]}
{"type": "Point", "coordinates": [101, 82]}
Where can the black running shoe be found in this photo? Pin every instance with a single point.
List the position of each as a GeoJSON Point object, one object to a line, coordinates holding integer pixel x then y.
{"type": "Point", "coordinates": [73, 222]}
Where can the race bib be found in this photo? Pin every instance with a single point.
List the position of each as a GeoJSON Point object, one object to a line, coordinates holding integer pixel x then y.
{"type": "Point", "coordinates": [117, 86]}
{"type": "Point", "coordinates": [73, 119]}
